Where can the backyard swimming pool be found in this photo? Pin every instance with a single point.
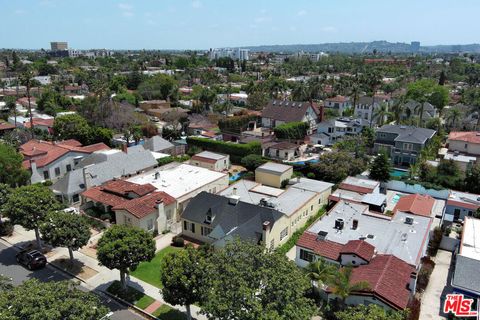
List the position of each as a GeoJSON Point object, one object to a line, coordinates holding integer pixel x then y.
{"type": "Point", "coordinates": [236, 176]}
{"type": "Point", "coordinates": [396, 198]}
{"type": "Point", "coordinates": [398, 173]}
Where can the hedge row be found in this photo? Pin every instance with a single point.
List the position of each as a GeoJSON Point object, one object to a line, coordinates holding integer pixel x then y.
{"type": "Point", "coordinates": [236, 151]}
{"type": "Point", "coordinates": [235, 124]}
{"type": "Point", "coordinates": [291, 130]}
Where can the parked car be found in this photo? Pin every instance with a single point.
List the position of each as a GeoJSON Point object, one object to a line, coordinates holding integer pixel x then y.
{"type": "Point", "coordinates": [32, 259]}
{"type": "Point", "coordinates": [71, 210]}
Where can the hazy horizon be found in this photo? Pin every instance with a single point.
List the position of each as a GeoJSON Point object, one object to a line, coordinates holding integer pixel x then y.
{"type": "Point", "coordinates": [203, 24]}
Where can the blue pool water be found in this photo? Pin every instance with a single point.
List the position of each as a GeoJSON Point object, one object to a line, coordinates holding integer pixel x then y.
{"type": "Point", "coordinates": [398, 173]}
{"type": "Point", "coordinates": [396, 198]}
{"type": "Point", "coordinates": [302, 163]}
{"type": "Point", "coordinates": [236, 176]}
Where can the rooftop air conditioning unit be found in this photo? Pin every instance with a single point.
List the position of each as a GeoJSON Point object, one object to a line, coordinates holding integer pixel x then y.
{"type": "Point", "coordinates": [409, 220]}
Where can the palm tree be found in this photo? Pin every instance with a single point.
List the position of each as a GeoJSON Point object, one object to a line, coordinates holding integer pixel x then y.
{"type": "Point", "coordinates": [452, 115]}
{"type": "Point", "coordinates": [320, 272]}
{"type": "Point", "coordinates": [12, 108]}
{"type": "Point", "coordinates": [419, 110]}
{"type": "Point", "coordinates": [398, 108]}
{"type": "Point", "coordinates": [380, 114]}
{"type": "Point", "coordinates": [26, 78]}
{"type": "Point", "coordinates": [342, 287]}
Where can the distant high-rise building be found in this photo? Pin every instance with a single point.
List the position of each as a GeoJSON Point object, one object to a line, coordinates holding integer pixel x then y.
{"type": "Point", "coordinates": [235, 54]}
{"type": "Point", "coordinates": [57, 46]}
{"type": "Point", "coordinates": [415, 46]}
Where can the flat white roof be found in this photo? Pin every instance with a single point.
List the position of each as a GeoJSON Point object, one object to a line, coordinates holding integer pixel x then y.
{"type": "Point", "coordinates": [470, 245]}
{"type": "Point", "coordinates": [269, 191]}
{"type": "Point", "coordinates": [459, 157]}
{"type": "Point", "coordinates": [365, 183]}
{"type": "Point", "coordinates": [389, 235]}
{"type": "Point", "coordinates": [310, 184]}
{"type": "Point", "coordinates": [464, 197]}
{"type": "Point", "coordinates": [274, 167]}
{"type": "Point", "coordinates": [178, 179]}
{"type": "Point", "coordinates": [211, 155]}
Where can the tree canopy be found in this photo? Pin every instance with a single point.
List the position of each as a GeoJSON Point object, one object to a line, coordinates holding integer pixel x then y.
{"type": "Point", "coordinates": [11, 170]}
{"type": "Point", "coordinates": [35, 300]}
{"type": "Point", "coordinates": [381, 167]}
{"type": "Point", "coordinates": [160, 86]}
{"type": "Point", "coordinates": [336, 166]}
{"type": "Point", "coordinates": [370, 312]}
{"type": "Point", "coordinates": [124, 247]}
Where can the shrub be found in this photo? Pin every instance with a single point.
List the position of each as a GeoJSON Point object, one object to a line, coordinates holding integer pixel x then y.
{"type": "Point", "coordinates": [291, 130]}
{"type": "Point", "coordinates": [311, 175]}
{"type": "Point", "coordinates": [252, 161]}
{"type": "Point", "coordinates": [6, 229]}
{"type": "Point", "coordinates": [235, 150]}
{"type": "Point", "coordinates": [235, 124]}
{"type": "Point", "coordinates": [434, 244]}
{"type": "Point", "coordinates": [284, 183]}
{"type": "Point", "coordinates": [178, 241]}
{"type": "Point", "coordinates": [167, 160]}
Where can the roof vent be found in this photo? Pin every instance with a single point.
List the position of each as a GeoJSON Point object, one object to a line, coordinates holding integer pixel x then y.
{"type": "Point", "coordinates": [354, 224]}
{"type": "Point", "coordinates": [339, 223]}
{"type": "Point", "coordinates": [233, 199]}
{"type": "Point", "coordinates": [321, 235]}
{"type": "Point", "coordinates": [409, 220]}
{"type": "Point", "coordinates": [370, 236]}
{"type": "Point", "coordinates": [404, 237]}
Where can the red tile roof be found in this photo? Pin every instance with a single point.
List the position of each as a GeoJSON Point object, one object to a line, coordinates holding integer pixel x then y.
{"type": "Point", "coordinates": [6, 126]}
{"type": "Point", "coordinates": [325, 248]}
{"type": "Point", "coordinates": [39, 122]}
{"type": "Point", "coordinates": [351, 187]}
{"type": "Point", "coordinates": [98, 195]}
{"type": "Point", "coordinates": [142, 207]}
{"type": "Point", "coordinates": [462, 204]}
{"type": "Point", "coordinates": [388, 277]}
{"type": "Point", "coordinates": [467, 136]}
{"type": "Point", "coordinates": [45, 152]}
{"type": "Point", "coordinates": [416, 204]}
{"type": "Point", "coordinates": [339, 99]}
{"type": "Point", "coordinates": [123, 188]}
{"type": "Point", "coordinates": [361, 248]}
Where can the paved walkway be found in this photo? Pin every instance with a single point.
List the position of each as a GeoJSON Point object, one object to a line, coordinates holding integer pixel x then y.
{"type": "Point", "coordinates": [438, 286]}
{"type": "Point", "coordinates": [104, 276]}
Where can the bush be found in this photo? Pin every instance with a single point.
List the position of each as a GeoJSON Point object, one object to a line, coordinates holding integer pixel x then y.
{"type": "Point", "coordinates": [93, 223]}
{"type": "Point", "coordinates": [6, 229]}
{"type": "Point", "coordinates": [291, 130]}
{"type": "Point", "coordinates": [235, 124]}
{"type": "Point", "coordinates": [252, 161]}
{"type": "Point", "coordinates": [178, 241]}
{"type": "Point", "coordinates": [311, 175]}
{"type": "Point", "coordinates": [284, 183]}
{"type": "Point", "coordinates": [424, 273]}
{"type": "Point", "coordinates": [235, 150]}
{"type": "Point", "coordinates": [434, 244]}
{"type": "Point", "coordinates": [167, 160]}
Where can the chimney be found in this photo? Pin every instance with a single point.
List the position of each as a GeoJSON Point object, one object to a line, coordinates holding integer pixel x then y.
{"type": "Point", "coordinates": [33, 165]}
{"type": "Point", "coordinates": [125, 148]}
{"type": "Point", "coordinates": [354, 224]}
{"type": "Point", "coordinates": [298, 179]}
{"type": "Point", "coordinates": [87, 177]}
{"type": "Point", "coordinates": [162, 218]}
{"type": "Point", "coordinates": [234, 191]}
{"type": "Point", "coordinates": [266, 226]}
{"type": "Point", "coordinates": [412, 285]}
{"type": "Point", "coordinates": [157, 175]}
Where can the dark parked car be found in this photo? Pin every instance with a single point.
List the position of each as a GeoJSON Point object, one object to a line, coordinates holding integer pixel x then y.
{"type": "Point", "coordinates": [32, 259]}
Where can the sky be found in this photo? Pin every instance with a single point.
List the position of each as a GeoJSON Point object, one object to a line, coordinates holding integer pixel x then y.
{"type": "Point", "coordinates": [204, 24]}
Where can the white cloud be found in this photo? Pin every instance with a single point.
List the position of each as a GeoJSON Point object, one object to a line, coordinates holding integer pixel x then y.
{"type": "Point", "coordinates": [196, 4]}
{"type": "Point", "coordinates": [301, 13]}
{"type": "Point", "coordinates": [328, 29]}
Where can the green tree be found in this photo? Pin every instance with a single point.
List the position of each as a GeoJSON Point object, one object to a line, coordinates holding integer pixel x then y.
{"type": "Point", "coordinates": [123, 248]}
{"type": "Point", "coordinates": [35, 300]}
{"type": "Point", "coordinates": [370, 312]}
{"type": "Point", "coordinates": [472, 179]}
{"type": "Point", "coordinates": [253, 161]}
{"type": "Point", "coordinates": [71, 126]}
{"type": "Point", "coordinates": [452, 116]}
{"type": "Point", "coordinates": [183, 278]}
{"type": "Point", "coordinates": [426, 90]}
{"type": "Point", "coordinates": [380, 114]}
{"type": "Point", "coordinates": [342, 287]}
{"type": "Point", "coordinates": [5, 284]}
{"type": "Point", "coordinates": [160, 86]}
{"type": "Point", "coordinates": [61, 229]}
{"type": "Point", "coordinates": [11, 169]}
{"type": "Point", "coordinates": [29, 205]}
{"type": "Point", "coordinates": [257, 100]}
{"type": "Point", "coordinates": [336, 166]}
{"type": "Point", "coordinates": [381, 167]}
{"type": "Point", "coordinates": [246, 282]}
{"type": "Point", "coordinates": [11, 106]}
{"type": "Point", "coordinates": [320, 272]}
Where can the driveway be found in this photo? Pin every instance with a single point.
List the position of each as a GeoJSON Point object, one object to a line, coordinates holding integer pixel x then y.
{"type": "Point", "coordinates": [10, 268]}
{"type": "Point", "coordinates": [438, 287]}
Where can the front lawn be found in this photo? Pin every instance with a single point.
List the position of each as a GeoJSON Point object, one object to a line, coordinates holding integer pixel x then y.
{"type": "Point", "coordinates": [165, 312]}
{"type": "Point", "coordinates": [139, 299]}
{"type": "Point", "coordinates": [150, 271]}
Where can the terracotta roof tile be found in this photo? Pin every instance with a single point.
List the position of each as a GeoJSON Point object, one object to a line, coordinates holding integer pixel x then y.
{"type": "Point", "coordinates": [325, 248]}
{"type": "Point", "coordinates": [361, 248]}
{"type": "Point", "coordinates": [142, 207]}
{"type": "Point", "coordinates": [421, 205]}
{"type": "Point", "coordinates": [467, 136]}
{"type": "Point", "coordinates": [388, 277]}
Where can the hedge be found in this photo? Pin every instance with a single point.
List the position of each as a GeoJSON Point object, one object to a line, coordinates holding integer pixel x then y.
{"type": "Point", "coordinates": [291, 130]}
{"type": "Point", "coordinates": [169, 159]}
{"type": "Point", "coordinates": [235, 150]}
{"type": "Point", "coordinates": [235, 124]}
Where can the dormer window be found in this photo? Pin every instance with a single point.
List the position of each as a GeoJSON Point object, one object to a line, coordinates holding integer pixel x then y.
{"type": "Point", "coordinates": [209, 217]}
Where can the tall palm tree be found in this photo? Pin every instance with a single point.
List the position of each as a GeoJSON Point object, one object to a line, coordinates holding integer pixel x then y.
{"type": "Point", "coordinates": [320, 272]}
{"type": "Point", "coordinates": [452, 115]}
{"type": "Point", "coordinates": [398, 108]}
{"type": "Point", "coordinates": [26, 78]}
{"type": "Point", "coordinates": [419, 110]}
{"type": "Point", "coordinates": [342, 287]}
{"type": "Point", "coordinates": [380, 114]}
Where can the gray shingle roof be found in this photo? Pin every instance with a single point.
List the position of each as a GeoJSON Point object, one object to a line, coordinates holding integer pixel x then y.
{"type": "Point", "coordinates": [466, 274]}
{"type": "Point", "coordinates": [243, 220]}
{"type": "Point", "coordinates": [408, 133]}
{"type": "Point", "coordinates": [157, 144]}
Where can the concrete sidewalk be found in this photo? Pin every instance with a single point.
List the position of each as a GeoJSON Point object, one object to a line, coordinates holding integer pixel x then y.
{"type": "Point", "coordinates": [100, 278]}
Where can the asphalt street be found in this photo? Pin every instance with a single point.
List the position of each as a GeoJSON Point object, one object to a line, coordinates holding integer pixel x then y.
{"type": "Point", "coordinates": [10, 268]}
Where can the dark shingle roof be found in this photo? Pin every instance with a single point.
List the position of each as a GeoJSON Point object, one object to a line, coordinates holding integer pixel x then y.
{"type": "Point", "coordinates": [466, 274]}
{"type": "Point", "coordinates": [243, 219]}
{"type": "Point", "coordinates": [408, 133]}
{"type": "Point", "coordinates": [288, 111]}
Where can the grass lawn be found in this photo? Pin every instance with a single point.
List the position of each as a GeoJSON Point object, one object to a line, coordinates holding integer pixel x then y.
{"type": "Point", "coordinates": [139, 299]}
{"type": "Point", "coordinates": [167, 313]}
{"type": "Point", "coordinates": [150, 271]}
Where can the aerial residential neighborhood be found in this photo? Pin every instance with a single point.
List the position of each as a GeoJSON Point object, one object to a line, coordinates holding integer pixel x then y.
{"type": "Point", "coordinates": [208, 160]}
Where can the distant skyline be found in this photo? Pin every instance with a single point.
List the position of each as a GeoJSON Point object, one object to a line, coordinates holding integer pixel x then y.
{"type": "Point", "coordinates": [203, 24]}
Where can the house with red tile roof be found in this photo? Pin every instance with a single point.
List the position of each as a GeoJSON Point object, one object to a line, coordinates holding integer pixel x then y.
{"type": "Point", "coordinates": [132, 204]}
{"type": "Point", "coordinates": [49, 160]}
{"type": "Point", "coordinates": [466, 143]}
{"type": "Point", "coordinates": [416, 204]}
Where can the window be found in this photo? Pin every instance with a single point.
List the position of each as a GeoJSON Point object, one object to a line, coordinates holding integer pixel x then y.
{"type": "Point", "coordinates": [192, 227]}
{"type": "Point", "coordinates": [311, 207]}
{"type": "Point", "coordinates": [185, 225]}
{"type": "Point", "coordinates": [284, 233]}
{"type": "Point", "coordinates": [407, 146]}
{"type": "Point", "coordinates": [75, 198]}
{"type": "Point", "coordinates": [466, 145]}
{"type": "Point", "coordinates": [69, 167]}
{"type": "Point", "coordinates": [46, 175]}
{"type": "Point", "coordinates": [205, 231]}
{"type": "Point", "coordinates": [306, 255]}
{"type": "Point", "coordinates": [150, 224]}
{"type": "Point", "coordinates": [57, 171]}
